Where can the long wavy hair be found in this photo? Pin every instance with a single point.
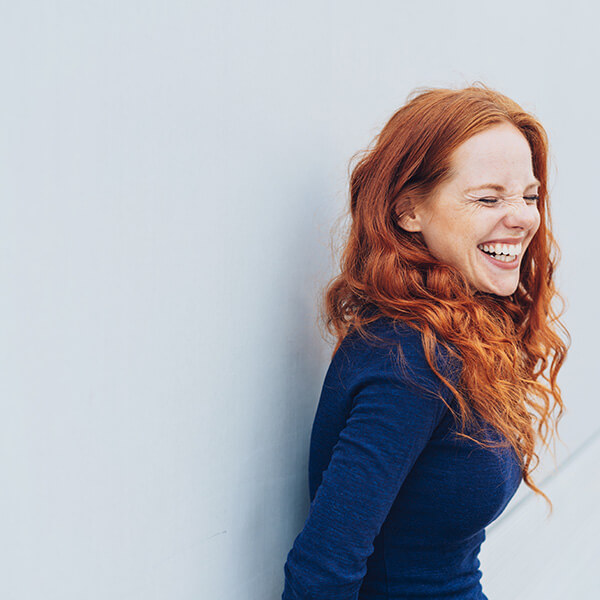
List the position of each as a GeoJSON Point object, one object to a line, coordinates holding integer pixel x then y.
{"type": "Point", "coordinates": [509, 347]}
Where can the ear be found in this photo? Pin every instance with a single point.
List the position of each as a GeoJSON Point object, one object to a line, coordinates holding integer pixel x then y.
{"type": "Point", "coordinates": [410, 220]}
{"type": "Point", "coordinates": [410, 223]}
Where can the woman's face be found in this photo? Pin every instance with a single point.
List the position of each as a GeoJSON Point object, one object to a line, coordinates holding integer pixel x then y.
{"type": "Point", "coordinates": [488, 204]}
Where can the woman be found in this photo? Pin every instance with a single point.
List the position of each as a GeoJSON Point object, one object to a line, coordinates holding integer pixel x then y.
{"type": "Point", "coordinates": [444, 376]}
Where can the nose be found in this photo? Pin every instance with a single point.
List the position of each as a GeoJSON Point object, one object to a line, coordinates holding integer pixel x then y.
{"type": "Point", "coordinates": [522, 215]}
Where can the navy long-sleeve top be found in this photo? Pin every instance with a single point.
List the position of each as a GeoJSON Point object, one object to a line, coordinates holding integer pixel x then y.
{"type": "Point", "coordinates": [399, 505]}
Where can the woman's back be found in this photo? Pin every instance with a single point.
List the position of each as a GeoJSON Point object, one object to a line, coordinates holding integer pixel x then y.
{"type": "Point", "coordinates": [398, 504]}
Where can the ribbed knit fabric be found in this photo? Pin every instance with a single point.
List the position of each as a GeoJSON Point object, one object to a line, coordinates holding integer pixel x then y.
{"type": "Point", "coordinates": [398, 505]}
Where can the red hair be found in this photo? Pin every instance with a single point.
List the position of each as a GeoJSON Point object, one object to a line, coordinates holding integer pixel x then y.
{"type": "Point", "coordinates": [508, 346]}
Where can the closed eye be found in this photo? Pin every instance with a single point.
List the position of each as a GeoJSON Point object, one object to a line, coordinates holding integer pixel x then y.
{"type": "Point", "coordinates": [530, 199]}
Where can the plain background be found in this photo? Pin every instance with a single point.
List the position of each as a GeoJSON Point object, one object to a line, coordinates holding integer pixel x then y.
{"type": "Point", "coordinates": [170, 175]}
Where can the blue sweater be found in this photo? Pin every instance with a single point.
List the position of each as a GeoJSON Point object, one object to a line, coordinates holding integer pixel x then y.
{"type": "Point", "coordinates": [398, 505]}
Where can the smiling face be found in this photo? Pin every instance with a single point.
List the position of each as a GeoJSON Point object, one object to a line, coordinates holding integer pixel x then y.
{"type": "Point", "coordinates": [489, 203]}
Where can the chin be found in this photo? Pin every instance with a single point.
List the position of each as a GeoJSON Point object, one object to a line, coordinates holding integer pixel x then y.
{"type": "Point", "coordinates": [504, 293]}
{"type": "Point", "coordinates": [501, 290]}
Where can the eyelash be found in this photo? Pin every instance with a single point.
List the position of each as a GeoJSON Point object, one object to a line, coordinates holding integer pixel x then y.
{"type": "Point", "coordinates": [495, 200]}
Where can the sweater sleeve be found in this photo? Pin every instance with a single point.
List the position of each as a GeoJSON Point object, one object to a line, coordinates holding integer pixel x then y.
{"type": "Point", "coordinates": [389, 425]}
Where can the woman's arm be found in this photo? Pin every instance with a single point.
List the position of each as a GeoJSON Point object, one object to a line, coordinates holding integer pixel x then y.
{"type": "Point", "coordinates": [389, 425]}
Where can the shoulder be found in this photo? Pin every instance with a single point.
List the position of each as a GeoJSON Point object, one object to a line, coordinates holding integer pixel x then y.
{"type": "Point", "coordinates": [391, 354]}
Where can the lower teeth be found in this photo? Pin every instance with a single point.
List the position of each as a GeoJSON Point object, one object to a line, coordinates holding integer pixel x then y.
{"type": "Point", "coordinates": [503, 257]}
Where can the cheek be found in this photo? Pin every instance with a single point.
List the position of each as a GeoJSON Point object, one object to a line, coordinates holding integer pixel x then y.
{"type": "Point", "coordinates": [450, 243]}
{"type": "Point", "coordinates": [538, 221]}
{"type": "Point", "coordinates": [535, 221]}
{"type": "Point", "coordinates": [451, 235]}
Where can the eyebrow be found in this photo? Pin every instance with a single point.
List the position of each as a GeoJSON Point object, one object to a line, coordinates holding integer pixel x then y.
{"type": "Point", "coordinates": [498, 187]}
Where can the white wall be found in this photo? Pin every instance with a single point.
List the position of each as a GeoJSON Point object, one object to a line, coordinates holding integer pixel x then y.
{"type": "Point", "coordinates": [170, 172]}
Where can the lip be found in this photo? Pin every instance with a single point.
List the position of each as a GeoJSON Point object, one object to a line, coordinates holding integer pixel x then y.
{"type": "Point", "coordinates": [501, 264]}
{"type": "Point", "coordinates": [505, 241]}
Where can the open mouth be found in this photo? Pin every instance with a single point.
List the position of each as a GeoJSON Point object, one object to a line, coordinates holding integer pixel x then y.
{"type": "Point", "coordinates": [502, 253]}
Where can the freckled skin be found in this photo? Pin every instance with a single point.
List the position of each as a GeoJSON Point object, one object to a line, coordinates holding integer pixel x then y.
{"type": "Point", "coordinates": [454, 221]}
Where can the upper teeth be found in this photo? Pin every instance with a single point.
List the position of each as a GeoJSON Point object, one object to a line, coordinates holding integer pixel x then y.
{"type": "Point", "coordinates": [510, 249]}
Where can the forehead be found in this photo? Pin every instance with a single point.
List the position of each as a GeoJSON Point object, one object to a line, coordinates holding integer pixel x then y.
{"type": "Point", "coordinates": [500, 153]}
